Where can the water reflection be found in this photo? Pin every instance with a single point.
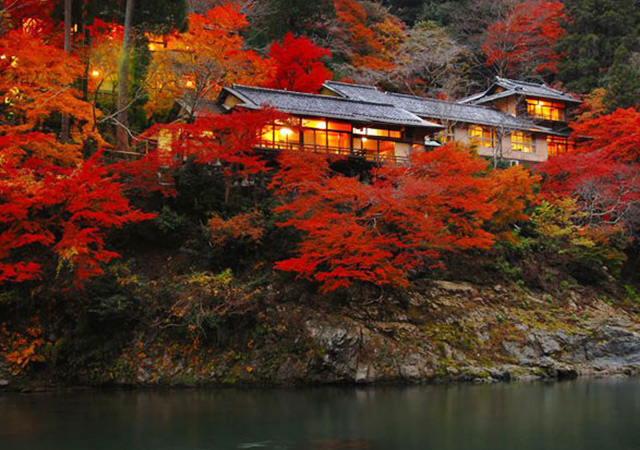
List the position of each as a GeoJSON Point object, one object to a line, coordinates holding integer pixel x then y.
{"type": "Point", "coordinates": [578, 415]}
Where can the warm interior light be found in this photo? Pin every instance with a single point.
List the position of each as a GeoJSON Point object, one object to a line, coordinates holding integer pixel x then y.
{"type": "Point", "coordinates": [152, 46]}
{"type": "Point", "coordinates": [95, 73]}
{"type": "Point", "coordinates": [364, 139]}
{"type": "Point", "coordinates": [190, 84]}
{"type": "Point", "coordinates": [286, 132]}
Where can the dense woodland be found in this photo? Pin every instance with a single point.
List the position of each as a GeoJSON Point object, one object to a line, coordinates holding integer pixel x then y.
{"type": "Point", "coordinates": [95, 245]}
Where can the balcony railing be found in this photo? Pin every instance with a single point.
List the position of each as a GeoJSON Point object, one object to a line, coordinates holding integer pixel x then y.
{"type": "Point", "coordinates": [370, 156]}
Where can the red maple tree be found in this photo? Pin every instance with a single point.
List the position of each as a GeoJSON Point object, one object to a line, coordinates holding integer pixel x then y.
{"type": "Point", "coordinates": [380, 231]}
{"type": "Point", "coordinates": [299, 64]}
{"type": "Point", "coordinates": [604, 172]}
{"type": "Point", "coordinates": [55, 207]}
{"type": "Point", "coordinates": [523, 43]}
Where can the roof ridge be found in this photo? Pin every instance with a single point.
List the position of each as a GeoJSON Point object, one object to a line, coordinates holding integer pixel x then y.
{"type": "Point", "coordinates": [306, 94]}
{"type": "Point", "coordinates": [538, 85]}
{"type": "Point", "coordinates": [437, 100]}
{"type": "Point", "coordinates": [344, 83]}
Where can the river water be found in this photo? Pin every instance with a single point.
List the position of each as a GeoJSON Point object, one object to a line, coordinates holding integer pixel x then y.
{"type": "Point", "coordinates": [580, 415]}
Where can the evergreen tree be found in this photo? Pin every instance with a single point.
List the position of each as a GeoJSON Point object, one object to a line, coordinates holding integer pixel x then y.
{"type": "Point", "coordinates": [596, 30]}
{"type": "Point", "coordinates": [622, 81]}
{"type": "Point", "coordinates": [272, 19]}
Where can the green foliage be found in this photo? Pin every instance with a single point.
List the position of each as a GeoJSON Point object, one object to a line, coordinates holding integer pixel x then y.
{"type": "Point", "coordinates": [279, 17]}
{"type": "Point", "coordinates": [560, 230]}
{"type": "Point", "coordinates": [622, 82]}
{"type": "Point", "coordinates": [633, 295]}
{"type": "Point", "coordinates": [597, 29]}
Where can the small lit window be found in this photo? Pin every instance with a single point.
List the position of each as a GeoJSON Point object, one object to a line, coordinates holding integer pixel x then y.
{"type": "Point", "coordinates": [480, 136]}
{"type": "Point", "coordinates": [318, 124]}
{"type": "Point", "coordinates": [558, 145]}
{"type": "Point", "coordinates": [522, 141]}
{"type": "Point", "coordinates": [546, 110]}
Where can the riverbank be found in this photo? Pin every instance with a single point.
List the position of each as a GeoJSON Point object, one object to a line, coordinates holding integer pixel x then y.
{"type": "Point", "coordinates": [439, 332]}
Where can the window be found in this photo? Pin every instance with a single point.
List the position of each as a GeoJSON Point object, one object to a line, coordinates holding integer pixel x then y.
{"type": "Point", "coordinates": [557, 145]}
{"type": "Point", "coordinates": [375, 149]}
{"type": "Point", "coordinates": [482, 136]}
{"type": "Point", "coordinates": [445, 136]}
{"type": "Point", "coordinates": [546, 110]}
{"type": "Point", "coordinates": [522, 141]}
{"type": "Point", "coordinates": [378, 132]}
{"type": "Point", "coordinates": [318, 124]}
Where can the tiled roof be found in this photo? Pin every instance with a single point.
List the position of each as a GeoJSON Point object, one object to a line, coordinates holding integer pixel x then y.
{"type": "Point", "coordinates": [515, 87]}
{"type": "Point", "coordinates": [327, 106]}
{"type": "Point", "coordinates": [356, 91]}
{"type": "Point", "coordinates": [434, 109]}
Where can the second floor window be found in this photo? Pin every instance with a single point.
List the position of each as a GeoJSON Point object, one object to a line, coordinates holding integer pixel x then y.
{"type": "Point", "coordinates": [522, 141]}
{"type": "Point", "coordinates": [557, 145]}
{"type": "Point", "coordinates": [482, 136]}
{"type": "Point", "coordinates": [546, 110]}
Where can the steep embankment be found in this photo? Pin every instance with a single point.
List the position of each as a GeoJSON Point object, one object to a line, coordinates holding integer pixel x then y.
{"type": "Point", "coordinates": [441, 331]}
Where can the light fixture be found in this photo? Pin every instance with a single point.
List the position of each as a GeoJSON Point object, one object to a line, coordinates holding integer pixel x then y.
{"type": "Point", "coordinates": [286, 132]}
{"type": "Point", "coordinates": [95, 73]}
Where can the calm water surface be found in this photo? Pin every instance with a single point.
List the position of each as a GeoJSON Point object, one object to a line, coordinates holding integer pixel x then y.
{"type": "Point", "coordinates": [584, 415]}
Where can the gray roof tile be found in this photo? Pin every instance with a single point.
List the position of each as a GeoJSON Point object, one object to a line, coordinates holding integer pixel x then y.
{"type": "Point", "coordinates": [328, 106]}
{"type": "Point", "coordinates": [435, 109]}
{"type": "Point", "coordinates": [515, 87]}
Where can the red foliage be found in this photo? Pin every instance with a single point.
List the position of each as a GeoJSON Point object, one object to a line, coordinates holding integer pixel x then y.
{"type": "Point", "coordinates": [228, 140]}
{"type": "Point", "coordinates": [604, 173]}
{"type": "Point", "coordinates": [299, 64]}
{"type": "Point", "coordinates": [616, 135]}
{"type": "Point", "coordinates": [379, 231]}
{"type": "Point", "coordinates": [32, 16]}
{"type": "Point", "coordinates": [64, 212]}
{"type": "Point", "coordinates": [524, 42]}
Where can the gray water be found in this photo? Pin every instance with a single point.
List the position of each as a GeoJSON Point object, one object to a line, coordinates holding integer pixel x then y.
{"type": "Point", "coordinates": [584, 415]}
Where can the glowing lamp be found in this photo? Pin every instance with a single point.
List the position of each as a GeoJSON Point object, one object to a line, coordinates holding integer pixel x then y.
{"type": "Point", "coordinates": [95, 73]}
{"type": "Point", "coordinates": [286, 132]}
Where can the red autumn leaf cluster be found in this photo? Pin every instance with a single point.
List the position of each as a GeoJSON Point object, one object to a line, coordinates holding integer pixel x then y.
{"type": "Point", "coordinates": [604, 172]}
{"type": "Point", "coordinates": [57, 215]}
{"type": "Point", "coordinates": [405, 218]}
{"type": "Point", "coordinates": [523, 43]}
{"type": "Point", "coordinates": [299, 64]}
{"type": "Point", "coordinates": [55, 207]}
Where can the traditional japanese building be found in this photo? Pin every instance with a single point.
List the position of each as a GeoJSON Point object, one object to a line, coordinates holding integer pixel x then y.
{"type": "Point", "coordinates": [539, 103]}
{"type": "Point", "coordinates": [376, 131]}
{"type": "Point", "coordinates": [512, 121]}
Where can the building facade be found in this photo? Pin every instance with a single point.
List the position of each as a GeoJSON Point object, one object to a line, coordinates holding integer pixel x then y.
{"type": "Point", "coordinates": [512, 121]}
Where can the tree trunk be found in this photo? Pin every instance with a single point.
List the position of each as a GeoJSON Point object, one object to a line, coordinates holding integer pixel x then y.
{"type": "Point", "coordinates": [122, 132]}
{"type": "Point", "coordinates": [64, 129]}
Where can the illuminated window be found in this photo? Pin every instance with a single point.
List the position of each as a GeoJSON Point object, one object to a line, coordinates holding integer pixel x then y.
{"type": "Point", "coordinates": [557, 145]}
{"type": "Point", "coordinates": [482, 136]}
{"type": "Point", "coordinates": [318, 124]}
{"type": "Point", "coordinates": [378, 132]}
{"type": "Point", "coordinates": [445, 136]}
{"type": "Point", "coordinates": [375, 149]}
{"type": "Point", "coordinates": [339, 126]}
{"type": "Point", "coordinates": [522, 141]}
{"type": "Point", "coordinates": [546, 110]}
